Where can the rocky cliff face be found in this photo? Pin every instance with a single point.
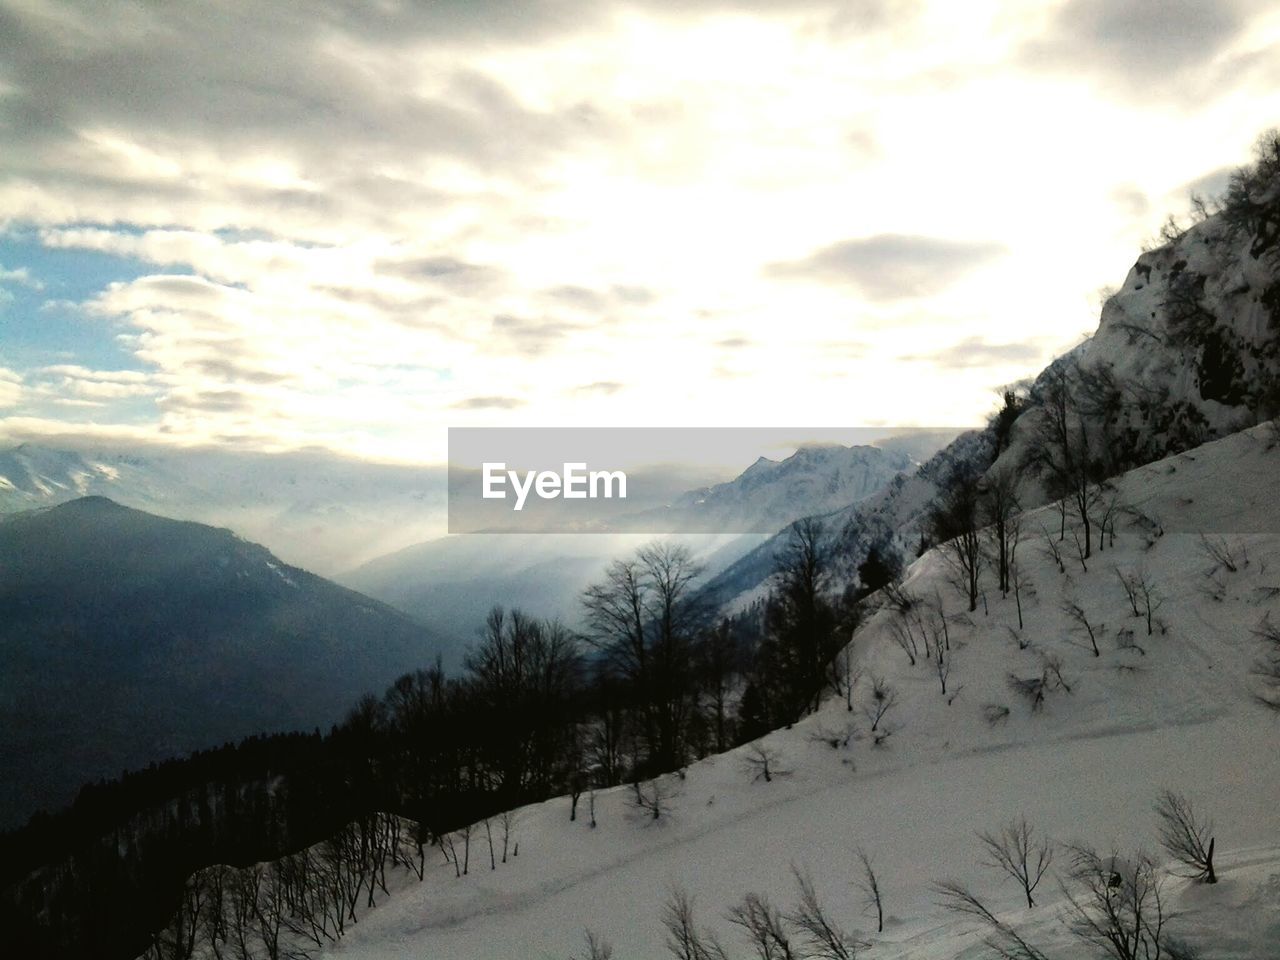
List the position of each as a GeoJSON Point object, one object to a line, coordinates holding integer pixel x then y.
{"type": "Point", "coordinates": [1186, 351]}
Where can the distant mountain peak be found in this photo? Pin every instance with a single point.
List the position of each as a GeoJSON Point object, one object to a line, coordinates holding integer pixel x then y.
{"type": "Point", "coordinates": [93, 502]}
{"type": "Point", "coordinates": [762, 465]}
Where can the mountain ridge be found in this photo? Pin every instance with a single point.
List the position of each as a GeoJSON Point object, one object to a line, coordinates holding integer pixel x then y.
{"type": "Point", "coordinates": [129, 637]}
{"type": "Point", "coordinates": [1186, 350]}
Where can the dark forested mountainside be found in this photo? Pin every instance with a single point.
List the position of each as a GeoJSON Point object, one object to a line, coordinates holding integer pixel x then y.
{"type": "Point", "coordinates": [128, 638]}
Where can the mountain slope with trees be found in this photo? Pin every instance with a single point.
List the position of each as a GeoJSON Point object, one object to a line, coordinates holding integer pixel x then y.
{"type": "Point", "coordinates": [452, 582]}
{"type": "Point", "coordinates": [1080, 663]}
{"type": "Point", "coordinates": [129, 638]}
{"type": "Point", "coordinates": [1186, 350]}
{"type": "Point", "coordinates": [1066, 765]}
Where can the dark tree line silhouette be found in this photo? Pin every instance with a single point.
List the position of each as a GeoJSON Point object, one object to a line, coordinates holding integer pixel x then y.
{"type": "Point", "coordinates": [652, 683]}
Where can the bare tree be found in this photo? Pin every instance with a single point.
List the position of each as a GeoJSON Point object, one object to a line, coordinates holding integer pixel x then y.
{"type": "Point", "coordinates": [449, 847]}
{"type": "Point", "coordinates": [954, 523]}
{"type": "Point", "coordinates": [834, 737]}
{"type": "Point", "coordinates": [998, 492]}
{"type": "Point", "coordinates": [1111, 508]}
{"type": "Point", "coordinates": [1117, 905]}
{"type": "Point", "coordinates": [465, 834]}
{"type": "Point", "coordinates": [654, 797]}
{"type": "Point", "coordinates": [1150, 597]}
{"type": "Point", "coordinates": [1065, 451]}
{"type": "Point", "coordinates": [270, 911]}
{"type": "Point", "coordinates": [244, 905]}
{"type": "Point", "coordinates": [685, 939]}
{"type": "Point", "coordinates": [718, 659]}
{"type": "Point", "coordinates": [643, 616]}
{"type": "Point", "coordinates": [1267, 667]}
{"type": "Point", "coordinates": [1130, 590]}
{"type": "Point", "coordinates": [938, 621]}
{"type": "Point", "coordinates": [577, 783]}
{"type": "Point", "coordinates": [1019, 581]}
{"type": "Point", "coordinates": [763, 926]}
{"type": "Point", "coordinates": [825, 939]}
{"type": "Point", "coordinates": [1186, 837]}
{"type": "Point", "coordinates": [1075, 613]}
{"type": "Point", "coordinates": [1005, 941]}
{"type": "Point", "coordinates": [1144, 599]}
{"type": "Point", "coordinates": [942, 667]}
{"type": "Point", "coordinates": [869, 884]}
{"type": "Point", "coordinates": [883, 699]}
{"type": "Point", "coordinates": [763, 762]}
{"type": "Point", "coordinates": [845, 676]}
{"type": "Point", "coordinates": [1223, 555]}
{"type": "Point", "coordinates": [598, 948]}
{"type": "Point", "coordinates": [1082, 548]}
{"type": "Point", "coordinates": [800, 619]}
{"type": "Point", "coordinates": [488, 835]}
{"type": "Point", "coordinates": [902, 634]}
{"type": "Point", "coordinates": [176, 940]}
{"type": "Point", "coordinates": [346, 857]}
{"type": "Point", "coordinates": [1053, 550]}
{"type": "Point", "coordinates": [1016, 851]}
{"type": "Point", "coordinates": [308, 914]}
{"type": "Point", "coordinates": [215, 920]}
{"type": "Point", "coordinates": [899, 598]}
{"type": "Point", "coordinates": [1053, 672]}
{"type": "Point", "coordinates": [508, 821]}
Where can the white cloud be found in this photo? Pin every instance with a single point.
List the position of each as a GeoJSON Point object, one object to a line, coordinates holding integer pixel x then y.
{"type": "Point", "coordinates": [10, 388]}
{"type": "Point", "coordinates": [363, 229]}
{"type": "Point", "coordinates": [19, 275]}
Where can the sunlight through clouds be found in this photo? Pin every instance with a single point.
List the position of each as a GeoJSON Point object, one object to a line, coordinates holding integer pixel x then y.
{"type": "Point", "coordinates": [357, 231]}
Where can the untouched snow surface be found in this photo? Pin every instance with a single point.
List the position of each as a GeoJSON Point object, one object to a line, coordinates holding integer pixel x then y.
{"type": "Point", "coordinates": [1087, 767]}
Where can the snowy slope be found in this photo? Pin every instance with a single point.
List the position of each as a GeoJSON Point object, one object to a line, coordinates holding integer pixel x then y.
{"type": "Point", "coordinates": [1186, 350]}
{"type": "Point", "coordinates": [893, 515]}
{"type": "Point", "coordinates": [1087, 767]}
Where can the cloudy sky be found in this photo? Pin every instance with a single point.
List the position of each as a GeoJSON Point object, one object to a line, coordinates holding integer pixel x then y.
{"type": "Point", "coordinates": [353, 224]}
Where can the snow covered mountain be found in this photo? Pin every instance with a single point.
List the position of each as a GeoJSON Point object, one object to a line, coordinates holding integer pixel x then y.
{"type": "Point", "coordinates": [1059, 709]}
{"type": "Point", "coordinates": [32, 475]}
{"type": "Point", "coordinates": [1071, 702]}
{"type": "Point", "coordinates": [318, 510]}
{"type": "Point", "coordinates": [452, 582]}
{"type": "Point", "coordinates": [1072, 713]}
{"type": "Point", "coordinates": [1188, 349]}
{"type": "Point", "coordinates": [770, 494]}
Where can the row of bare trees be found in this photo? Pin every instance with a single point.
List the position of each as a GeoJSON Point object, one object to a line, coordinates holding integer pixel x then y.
{"type": "Point", "coordinates": [1116, 903]}
{"type": "Point", "coordinates": [291, 907]}
{"type": "Point", "coordinates": [807, 930]}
